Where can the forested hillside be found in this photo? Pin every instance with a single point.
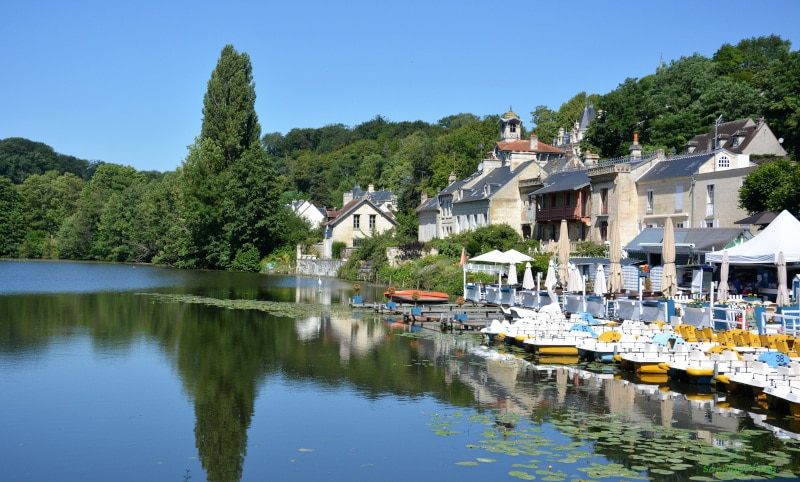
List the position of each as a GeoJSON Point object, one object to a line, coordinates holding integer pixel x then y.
{"type": "Point", "coordinates": [222, 208]}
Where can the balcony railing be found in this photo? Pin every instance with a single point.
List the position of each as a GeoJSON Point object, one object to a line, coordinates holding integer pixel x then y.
{"type": "Point", "coordinates": [558, 213]}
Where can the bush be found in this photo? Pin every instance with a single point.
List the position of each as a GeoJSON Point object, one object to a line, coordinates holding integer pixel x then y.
{"type": "Point", "coordinates": [337, 249]}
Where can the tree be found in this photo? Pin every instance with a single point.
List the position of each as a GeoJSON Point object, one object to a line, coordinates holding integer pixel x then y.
{"type": "Point", "coordinates": [229, 116]}
{"type": "Point", "coordinates": [773, 186]}
{"type": "Point", "coordinates": [10, 218]}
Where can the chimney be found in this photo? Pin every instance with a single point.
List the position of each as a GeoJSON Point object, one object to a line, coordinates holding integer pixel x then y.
{"type": "Point", "coordinates": [371, 188]}
{"type": "Point", "coordinates": [636, 148]}
{"type": "Point", "coordinates": [591, 159]}
{"type": "Point", "coordinates": [451, 178]}
{"type": "Point", "coordinates": [424, 197]}
{"type": "Point", "coordinates": [534, 142]}
{"type": "Point", "coordinates": [760, 121]}
{"type": "Point", "coordinates": [709, 145]}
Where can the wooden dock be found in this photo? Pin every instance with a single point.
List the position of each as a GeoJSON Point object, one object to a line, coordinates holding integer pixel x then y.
{"type": "Point", "coordinates": [448, 316]}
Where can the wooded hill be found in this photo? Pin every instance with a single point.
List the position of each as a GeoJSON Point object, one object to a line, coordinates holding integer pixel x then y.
{"type": "Point", "coordinates": [205, 215]}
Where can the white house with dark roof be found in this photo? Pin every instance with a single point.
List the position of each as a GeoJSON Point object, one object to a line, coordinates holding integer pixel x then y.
{"type": "Point", "coordinates": [308, 211]}
{"type": "Point", "coordinates": [743, 136]}
{"type": "Point", "coordinates": [491, 195]}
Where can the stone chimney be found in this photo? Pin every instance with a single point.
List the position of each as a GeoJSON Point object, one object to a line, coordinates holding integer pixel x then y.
{"type": "Point", "coordinates": [534, 142]}
{"type": "Point", "coordinates": [451, 178]}
{"type": "Point", "coordinates": [760, 122]}
{"type": "Point", "coordinates": [710, 145]}
{"type": "Point", "coordinates": [560, 140]}
{"type": "Point", "coordinates": [591, 159]}
{"type": "Point", "coordinates": [371, 188]}
{"type": "Point", "coordinates": [424, 197]}
{"type": "Point", "coordinates": [636, 148]}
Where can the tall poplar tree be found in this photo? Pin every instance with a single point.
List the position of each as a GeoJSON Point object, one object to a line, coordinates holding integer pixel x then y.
{"type": "Point", "coordinates": [231, 200]}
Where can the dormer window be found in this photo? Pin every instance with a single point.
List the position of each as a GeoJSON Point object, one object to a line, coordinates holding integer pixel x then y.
{"type": "Point", "coordinates": [486, 189]}
{"type": "Point", "coordinates": [724, 162]}
{"type": "Point", "coordinates": [736, 141]}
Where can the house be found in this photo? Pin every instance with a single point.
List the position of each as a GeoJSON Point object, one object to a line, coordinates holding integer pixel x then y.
{"type": "Point", "coordinates": [564, 195]}
{"type": "Point", "coordinates": [699, 190]}
{"type": "Point", "coordinates": [743, 136]}
{"type": "Point", "coordinates": [359, 218]}
{"type": "Point", "coordinates": [306, 210]}
{"type": "Point", "coordinates": [491, 195]}
{"type": "Point", "coordinates": [614, 194]}
{"type": "Point", "coordinates": [363, 214]}
{"type": "Point", "coordinates": [570, 141]}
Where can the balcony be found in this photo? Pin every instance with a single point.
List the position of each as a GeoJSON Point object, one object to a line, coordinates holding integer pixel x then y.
{"type": "Point", "coordinates": [559, 213]}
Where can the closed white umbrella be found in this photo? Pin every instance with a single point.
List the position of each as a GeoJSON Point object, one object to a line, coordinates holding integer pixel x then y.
{"type": "Point", "coordinates": [783, 294]}
{"type": "Point", "coordinates": [575, 283]}
{"type": "Point", "coordinates": [600, 286]}
{"type": "Point", "coordinates": [669, 277]}
{"type": "Point", "coordinates": [722, 290]}
{"type": "Point", "coordinates": [563, 254]}
{"type": "Point", "coordinates": [550, 279]}
{"type": "Point", "coordinates": [512, 275]}
{"type": "Point", "coordinates": [615, 278]}
{"type": "Point", "coordinates": [527, 278]}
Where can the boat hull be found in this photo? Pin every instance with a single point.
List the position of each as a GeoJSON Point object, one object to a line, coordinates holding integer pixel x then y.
{"type": "Point", "coordinates": [418, 296]}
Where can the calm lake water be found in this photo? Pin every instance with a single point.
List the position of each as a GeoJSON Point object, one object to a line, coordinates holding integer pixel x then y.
{"type": "Point", "coordinates": [132, 373]}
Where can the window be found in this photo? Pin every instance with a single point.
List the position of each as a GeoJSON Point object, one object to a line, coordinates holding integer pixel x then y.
{"type": "Point", "coordinates": [678, 198]}
{"type": "Point", "coordinates": [709, 200]}
{"type": "Point", "coordinates": [736, 141]}
{"type": "Point", "coordinates": [372, 218]}
{"type": "Point", "coordinates": [678, 225]}
{"type": "Point", "coordinates": [357, 242]}
{"type": "Point", "coordinates": [356, 221]}
{"type": "Point", "coordinates": [604, 201]}
{"type": "Point", "coordinates": [650, 200]}
{"type": "Point", "coordinates": [604, 231]}
{"type": "Point", "coordinates": [567, 199]}
{"type": "Point", "coordinates": [723, 162]}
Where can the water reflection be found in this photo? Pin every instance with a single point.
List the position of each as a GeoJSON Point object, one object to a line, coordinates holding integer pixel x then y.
{"type": "Point", "coordinates": [225, 359]}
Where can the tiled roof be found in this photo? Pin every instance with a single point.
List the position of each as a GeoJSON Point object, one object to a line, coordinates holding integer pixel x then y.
{"type": "Point", "coordinates": [430, 204]}
{"type": "Point", "coordinates": [525, 146]}
{"type": "Point", "coordinates": [335, 216]}
{"type": "Point", "coordinates": [496, 178]}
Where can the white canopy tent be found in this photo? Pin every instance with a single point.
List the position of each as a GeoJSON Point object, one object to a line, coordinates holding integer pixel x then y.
{"type": "Point", "coordinates": [780, 236]}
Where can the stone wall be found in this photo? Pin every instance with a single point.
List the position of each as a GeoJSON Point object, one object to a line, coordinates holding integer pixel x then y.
{"type": "Point", "coordinates": [319, 267]}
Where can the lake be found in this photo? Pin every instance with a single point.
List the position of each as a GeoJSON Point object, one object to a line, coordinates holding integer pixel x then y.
{"type": "Point", "coordinates": [132, 373]}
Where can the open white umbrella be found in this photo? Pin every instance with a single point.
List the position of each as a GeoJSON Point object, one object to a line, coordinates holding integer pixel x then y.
{"type": "Point", "coordinates": [514, 256]}
{"type": "Point", "coordinates": [722, 290]}
{"type": "Point", "coordinates": [512, 275]}
{"type": "Point", "coordinates": [783, 295]}
{"type": "Point", "coordinates": [600, 286]}
{"type": "Point", "coordinates": [527, 278]}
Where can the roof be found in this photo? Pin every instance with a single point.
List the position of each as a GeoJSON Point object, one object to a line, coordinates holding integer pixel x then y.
{"type": "Point", "coordinates": [510, 114]}
{"type": "Point", "coordinates": [687, 239]}
{"type": "Point", "coordinates": [726, 131]}
{"type": "Point", "coordinates": [525, 146]}
{"type": "Point", "coordinates": [761, 219]}
{"type": "Point", "coordinates": [430, 204]}
{"type": "Point", "coordinates": [335, 216]}
{"type": "Point", "coordinates": [679, 166]}
{"type": "Point", "coordinates": [780, 236]}
{"type": "Point", "coordinates": [496, 178]}
{"type": "Point", "coordinates": [587, 117]}
{"type": "Point", "coordinates": [564, 181]}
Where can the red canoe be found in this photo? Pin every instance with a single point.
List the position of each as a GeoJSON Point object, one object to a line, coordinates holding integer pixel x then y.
{"type": "Point", "coordinates": [407, 296]}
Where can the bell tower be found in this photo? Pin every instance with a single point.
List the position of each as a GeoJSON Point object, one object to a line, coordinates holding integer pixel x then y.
{"type": "Point", "coordinates": [510, 126]}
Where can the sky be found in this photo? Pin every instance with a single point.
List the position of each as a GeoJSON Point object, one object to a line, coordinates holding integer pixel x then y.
{"type": "Point", "coordinates": [123, 82]}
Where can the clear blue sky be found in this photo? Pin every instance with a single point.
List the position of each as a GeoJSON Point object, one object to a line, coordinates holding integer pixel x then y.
{"type": "Point", "coordinates": [123, 82]}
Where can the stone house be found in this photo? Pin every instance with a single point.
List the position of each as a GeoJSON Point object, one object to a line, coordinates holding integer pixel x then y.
{"type": "Point", "coordinates": [362, 215]}
{"type": "Point", "coordinates": [743, 136]}
{"type": "Point", "coordinates": [491, 195]}
{"type": "Point", "coordinates": [699, 190]}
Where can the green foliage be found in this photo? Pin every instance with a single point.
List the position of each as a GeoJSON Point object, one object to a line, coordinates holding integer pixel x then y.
{"type": "Point", "coordinates": [337, 249]}
{"type": "Point", "coordinates": [247, 259]}
{"type": "Point", "coordinates": [20, 158]}
{"type": "Point", "coordinates": [773, 186]}
{"type": "Point", "coordinates": [10, 217]}
{"type": "Point", "coordinates": [591, 250]}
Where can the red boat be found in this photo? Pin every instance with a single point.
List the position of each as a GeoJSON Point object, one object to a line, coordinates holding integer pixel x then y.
{"type": "Point", "coordinates": [407, 296]}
